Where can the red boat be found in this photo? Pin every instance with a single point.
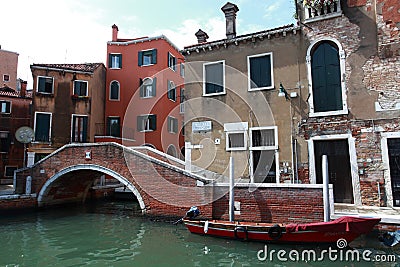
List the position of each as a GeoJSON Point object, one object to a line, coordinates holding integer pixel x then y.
{"type": "Point", "coordinates": [347, 228]}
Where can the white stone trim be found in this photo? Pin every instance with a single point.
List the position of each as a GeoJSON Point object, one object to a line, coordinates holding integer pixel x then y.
{"type": "Point", "coordinates": [342, 61]}
{"type": "Point", "coordinates": [93, 167]}
{"type": "Point", "coordinates": [386, 167]}
{"type": "Point", "coordinates": [353, 162]}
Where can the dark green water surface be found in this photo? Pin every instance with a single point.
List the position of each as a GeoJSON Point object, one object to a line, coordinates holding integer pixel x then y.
{"type": "Point", "coordinates": [112, 234]}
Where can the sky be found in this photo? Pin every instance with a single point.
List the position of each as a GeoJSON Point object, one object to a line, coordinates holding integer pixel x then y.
{"type": "Point", "coordinates": [77, 31]}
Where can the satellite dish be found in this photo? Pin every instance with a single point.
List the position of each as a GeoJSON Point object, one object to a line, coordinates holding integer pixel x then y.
{"type": "Point", "coordinates": [24, 134]}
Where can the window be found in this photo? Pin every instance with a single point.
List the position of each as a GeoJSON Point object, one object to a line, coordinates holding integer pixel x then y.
{"type": "Point", "coordinates": [5, 142]}
{"type": "Point", "coordinates": [113, 126]}
{"type": "Point", "coordinates": [182, 100]}
{"type": "Point", "coordinates": [114, 90]}
{"type": "Point", "coordinates": [6, 78]}
{"type": "Point", "coordinates": [325, 63]}
{"type": "Point", "coordinates": [147, 57]}
{"type": "Point", "coordinates": [115, 61]}
{"type": "Point", "coordinates": [148, 87]}
{"type": "Point", "coordinates": [171, 62]}
{"type": "Point", "coordinates": [214, 82]}
{"type": "Point", "coordinates": [260, 72]}
{"type": "Point", "coordinates": [264, 154]}
{"type": "Point", "coordinates": [171, 91]}
{"type": "Point", "coordinates": [236, 135]}
{"type": "Point", "coordinates": [80, 88]}
{"type": "Point", "coordinates": [264, 138]}
{"type": "Point", "coordinates": [182, 70]}
{"type": "Point", "coordinates": [45, 84]}
{"type": "Point", "coordinates": [146, 123]}
{"type": "Point", "coordinates": [79, 129]}
{"type": "Point", "coordinates": [5, 107]}
{"type": "Point", "coordinates": [172, 124]}
{"type": "Point", "coordinates": [9, 171]}
{"type": "Point", "coordinates": [235, 141]}
{"type": "Point", "coordinates": [42, 127]}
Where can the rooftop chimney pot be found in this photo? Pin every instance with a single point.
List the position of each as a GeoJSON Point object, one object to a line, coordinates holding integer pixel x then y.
{"type": "Point", "coordinates": [201, 36]}
{"type": "Point", "coordinates": [114, 33]}
{"type": "Point", "coordinates": [230, 11]}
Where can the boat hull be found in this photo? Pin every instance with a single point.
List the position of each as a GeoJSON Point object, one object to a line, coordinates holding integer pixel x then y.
{"type": "Point", "coordinates": [276, 233]}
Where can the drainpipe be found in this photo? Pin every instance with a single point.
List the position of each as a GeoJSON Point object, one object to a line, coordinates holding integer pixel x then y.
{"type": "Point", "coordinates": [325, 192]}
{"type": "Point", "coordinates": [231, 192]}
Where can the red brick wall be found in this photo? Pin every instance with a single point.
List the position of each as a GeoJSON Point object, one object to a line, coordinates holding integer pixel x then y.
{"type": "Point", "coordinates": [17, 203]}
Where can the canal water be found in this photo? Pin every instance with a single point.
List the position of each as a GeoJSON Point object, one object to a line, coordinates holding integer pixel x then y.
{"type": "Point", "coordinates": [113, 234]}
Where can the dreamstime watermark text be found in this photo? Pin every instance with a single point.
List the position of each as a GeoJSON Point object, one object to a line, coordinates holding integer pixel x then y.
{"type": "Point", "coordinates": [341, 253]}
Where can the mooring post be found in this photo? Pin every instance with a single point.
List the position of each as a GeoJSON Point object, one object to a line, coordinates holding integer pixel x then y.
{"type": "Point", "coordinates": [231, 192]}
{"type": "Point", "coordinates": [28, 185]}
{"type": "Point", "coordinates": [325, 192]}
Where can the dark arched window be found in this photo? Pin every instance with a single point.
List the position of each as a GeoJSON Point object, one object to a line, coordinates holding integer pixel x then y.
{"type": "Point", "coordinates": [114, 90]}
{"type": "Point", "coordinates": [326, 80]}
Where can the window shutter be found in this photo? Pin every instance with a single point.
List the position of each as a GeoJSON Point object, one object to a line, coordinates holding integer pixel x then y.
{"type": "Point", "coordinates": [8, 107]}
{"type": "Point", "coordinates": [85, 129]}
{"type": "Point", "coordinates": [175, 126]}
{"type": "Point", "coordinates": [109, 60]}
{"type": "Point", "coordinates": [169, 124]}
{"type": "Point", "coordinates": [141, 88]}
{"type": "Point", "coordinates": [140, 58]}
{"type": "Point", "coordinates": [139, 123]}
{"type": "Point", "coordinates": [168, 89]}
{"type": "Point", "coordinates": [154, 86]}
{"type": "Point", "coordinates": [108, 129]}
{"type": "Point", "coordinates": [154, 56]}
{"type": "Point", "coordinates": [169, 59]}
{"type": "Point", "coordinates": [120, 61]}
{"type": "Point", "coordinates": [153, 122]}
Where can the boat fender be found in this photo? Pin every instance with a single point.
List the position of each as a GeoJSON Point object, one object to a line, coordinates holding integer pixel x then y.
{"type": "Point", "coordinates": [206, 227]}
{"type": "Point", "coordinates": [241, 229]}
{"type": "Point", "coordinates": [275, 232]}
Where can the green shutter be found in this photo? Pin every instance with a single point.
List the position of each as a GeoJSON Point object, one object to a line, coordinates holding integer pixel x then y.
{"type": "Point", "coordinates": [120, 61]}
{"type": "Point", "coordinates": [139, 123]}
{"type": "Point", "coordinates": [141, 88]}
{"type": "Point", "coordinates": [168, 89]}
{"type": "Point", "coordinates": [154, 56]}
{"type": "Point", "coordinates": [108, 125]}
{"type": "Point", "coordinates": [154, 86]}
{"type": "Point", "coordinates": [153, 122]}
{"type": "Point", "coordinates": [85, 129]}
{"type": "Point", "coordinates": [109, 60]}
{"type": "Point", "coordinates": [140, 58]}
{"type": "Point", "coordinates": [8, 107]}
{"type": "Point", "coordinates": [175, 125]}
{"type": "Point", "coordinates": [42, 129]}
{"type": "Point", "coordinates": [168, 59]}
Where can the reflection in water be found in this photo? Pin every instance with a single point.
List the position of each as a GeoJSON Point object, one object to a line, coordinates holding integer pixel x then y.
{"type": "Point", "coordinates": [113, 234]}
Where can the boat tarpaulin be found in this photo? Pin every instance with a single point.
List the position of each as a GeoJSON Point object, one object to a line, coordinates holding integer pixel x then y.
{"type": "Point", "coordinates": [357, 225]}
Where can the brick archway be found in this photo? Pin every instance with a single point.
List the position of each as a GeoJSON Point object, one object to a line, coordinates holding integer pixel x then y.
{"type": "Point", "coordinates": [92, 167]}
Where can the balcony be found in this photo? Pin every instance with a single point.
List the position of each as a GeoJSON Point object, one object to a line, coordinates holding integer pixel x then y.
{"type": "Point", "coordinates": [315, 10]}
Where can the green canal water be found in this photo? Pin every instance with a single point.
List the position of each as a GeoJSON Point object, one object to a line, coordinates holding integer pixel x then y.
{"type": "Point", "coordinates": [112, 234]}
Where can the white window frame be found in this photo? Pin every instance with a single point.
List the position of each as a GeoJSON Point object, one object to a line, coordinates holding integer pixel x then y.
{"type": "Point", "coordinates": [170, 64]}
{"type": "Point", "coordinates": [146, 86]}
{"type": "Point", "coordinates": [87, 87]}
{"type": "Point", "coordinates": [353, 161]}
{"type": "Point", "coordinates": [4, 77]}
{"type": "Point", "coordinates": [244, 147]}
{"type": "Point", "coordinates": [146, 129]}
{"type": "Point", "coordinates": [171, 87]}
{"type": "Point", "coordinates": [386, 167]}
{"type": "Point", "coordinates": [182, 69]}
{"type": "Point", "coordinates": [342, 59]}
{"type": "Point", "coordinates": [272, 72]}
{"type": "Point", "coordinates": [45, 77]}
{"type": "Point", "coordinates": [223, 78]}
{"type": "Point", "coordinates": [170, 126]}
{"type": "Point", "coordinates": [144, 51]}
{"type": "Point", "coordinates": [275, 147]}
{"type": "Point", "coordinates": [9, 166]}
{"type": "Point", "coordinates": [50, 127]}
{"type": "Point", "coordinates": [4, 102]}
{"type": "Point", "coordinates": [115, 55]}
{"type": "Point", "coordinates": [72, 126]}
{"type": "Point", "coordinates": [119, 91]}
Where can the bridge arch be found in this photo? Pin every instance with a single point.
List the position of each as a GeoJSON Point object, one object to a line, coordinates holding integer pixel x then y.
{"type": "Point", "coordinates": [93, 167]}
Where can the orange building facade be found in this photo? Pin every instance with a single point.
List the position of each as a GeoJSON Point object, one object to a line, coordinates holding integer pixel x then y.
{"type": "Point", "coordinates": [144, 92]}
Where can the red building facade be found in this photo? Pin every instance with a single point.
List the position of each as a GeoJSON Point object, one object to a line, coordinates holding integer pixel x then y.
{"type": "Point", "coordinates": [144, 90]}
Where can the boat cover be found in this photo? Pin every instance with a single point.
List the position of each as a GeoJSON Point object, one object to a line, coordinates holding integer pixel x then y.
{"type": "Point", "coordinates": [343, 224]}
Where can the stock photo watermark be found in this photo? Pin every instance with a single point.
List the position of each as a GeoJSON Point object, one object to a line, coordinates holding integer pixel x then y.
{"type": "Point", "coordinates": [339, 254]}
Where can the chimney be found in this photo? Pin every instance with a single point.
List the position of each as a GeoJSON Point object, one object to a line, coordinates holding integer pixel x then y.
{"type": "Point", "coordinates": [23, 88]}
{"type": "Point", "coordinates": [201, 36]}
{"type": "Point", "coordinates": [230, 15]}
{"type": "Point", "coordinates": [114, 33]}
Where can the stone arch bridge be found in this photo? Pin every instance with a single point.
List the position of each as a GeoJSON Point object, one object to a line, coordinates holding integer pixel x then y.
{"type": "Point", "coordinates": [161, 185]}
